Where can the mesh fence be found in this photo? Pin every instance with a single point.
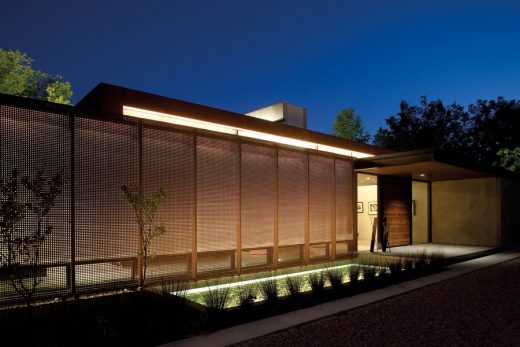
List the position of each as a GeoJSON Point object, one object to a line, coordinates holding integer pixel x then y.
{"type": "Point", "coordinates": [35, 244]}
{"type": "Point", "coordinates": [106, 156]}
{"type": "Point", "coordinates": [230, 204]}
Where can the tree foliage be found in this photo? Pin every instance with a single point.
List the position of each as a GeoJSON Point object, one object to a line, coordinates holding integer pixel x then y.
{"type": "Point", "coordinates": [509, 159]}
{"type": "Point", "coordinates": [17, 77]}
{"type": "Point", "coordinates": [144, 209]}
{"type": "Point", "coordinates": [486, 133]}
{"type": "Point", "coordinates": [349, 125]}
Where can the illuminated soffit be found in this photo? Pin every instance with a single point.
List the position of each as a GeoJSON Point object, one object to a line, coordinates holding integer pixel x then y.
{"type": "Point", "coordinates": [198, 124]}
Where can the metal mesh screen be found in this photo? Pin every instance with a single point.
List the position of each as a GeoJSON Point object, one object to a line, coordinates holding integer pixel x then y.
{"type": "Point", "coordinates": [321, 198]}
{"type": "Point", "coordinates": [106, 156]}
{"type": "Point", "coordinates": [321, 205]}
{"type": "Point", "coordinates": [344, 208]}
{"type": "Point", "coordinates": [218, 191]}
{"type": "Point", "coordinates": [217, 203]}
{"type": "Point", "coordinates": [34, 144]}
{"type": "Point", "coordinates": [258, 203]}
{"type": "Point", "coordinates": [292, 203]}
{"type": "Point", "coordinates": [169, 163]}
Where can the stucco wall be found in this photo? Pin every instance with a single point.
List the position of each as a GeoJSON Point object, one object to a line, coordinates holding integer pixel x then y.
{"type": "Point", "coordinates": [366, 194]}
{"type": "Point", "coordinates": [420, 218]}
{"type": "Point", "coordinates": [466, 212]}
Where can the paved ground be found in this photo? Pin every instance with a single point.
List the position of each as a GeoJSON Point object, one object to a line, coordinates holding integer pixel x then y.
{"type": "Point", "coordinates": [477, 309]}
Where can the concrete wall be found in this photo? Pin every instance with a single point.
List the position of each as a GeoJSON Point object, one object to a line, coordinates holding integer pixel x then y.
{"type": "Point", "coordinates": [466, 212]}
{"type": "Point", "coordinates": [420, 218]}
{"type": "Point", "coordinates": [366, 194]}
{"type": "Point", "coordinates": [510, 212]}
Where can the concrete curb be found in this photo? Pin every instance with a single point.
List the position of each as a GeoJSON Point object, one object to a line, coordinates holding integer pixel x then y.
{"type": "Point", "coordinates": [270, 325]}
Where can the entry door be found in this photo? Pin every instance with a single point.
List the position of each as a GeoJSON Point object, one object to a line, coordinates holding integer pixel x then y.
{"type": "Point", "coordinates": [394, 198]}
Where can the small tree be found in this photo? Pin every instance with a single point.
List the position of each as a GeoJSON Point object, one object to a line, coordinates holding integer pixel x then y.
{"type": "Point", "coordinates": [349, 125]}
{"type": "Point", "coordinates": [20, 248]}
{"type": "Point", "coordinates": [145, 210]}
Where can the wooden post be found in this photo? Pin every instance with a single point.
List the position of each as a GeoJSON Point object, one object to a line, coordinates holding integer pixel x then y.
{"type": "Point", "coordinates": [333, 224]}
{"type": "Point", "coordinates": [307, 219]}
{"type": "Point", "coordinates": [239, 210]}
{"type": "Point", "coordinates": [194, 232]}
{"type": "Point", "coordinates": [276, 213]}
{"type": "Point", "coordinates": [72, 273]}
{"type": "Point", "coordinates": [140, 170]}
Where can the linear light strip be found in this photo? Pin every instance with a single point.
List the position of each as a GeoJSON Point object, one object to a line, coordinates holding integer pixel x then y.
{"type": "Point", "coordinates": [277, 139]}
{"type": "Point", "coordinates": [177, 120]}
{"type": "Point", "coordinates": [258, 280]}
{"type": "Point", "coordinates": [198, 124]}
{"type": "Point", "coordinates": [276, 277]}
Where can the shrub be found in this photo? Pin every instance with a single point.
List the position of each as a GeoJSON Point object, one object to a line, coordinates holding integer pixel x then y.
{"type": "Point", "coordinates": [317, 282]}
{"type": "Point", "coordinates": [294, 285]}
{"type": "Point", "coordinates": [269, 289]}
{"type": "Point", "coordinates": [370, 267]}
{"type": "Point", "coordinates": [437, 259]}
{"type": "Point", "coordinates": [353, 274]}
{"type": "Point", "coordinates": [216, 299]}
{"type": "Point", "coordinates": [395, 266]}
{"type": "Point", "coordinates": [369, 273]}
{"type": "Point", "coordinates": [407, 265]}
{"type": "Point", "coordinates": [335, 277]}
{"type": "Point", "coordinates": [420, 261]}
{"type": "Point", "coordinates": [175, 287]}
{"type": "Point", "coordinates": [246, 296]}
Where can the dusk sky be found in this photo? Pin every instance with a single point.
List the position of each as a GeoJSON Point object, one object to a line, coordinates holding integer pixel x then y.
{"type": "Point", "coordinates": [243, 55]}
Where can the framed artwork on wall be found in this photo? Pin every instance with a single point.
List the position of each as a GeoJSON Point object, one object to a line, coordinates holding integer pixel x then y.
{"type": "Point", "coordinates": [360, 207]}
{"type": "Point", "coordinates": [372, 207]}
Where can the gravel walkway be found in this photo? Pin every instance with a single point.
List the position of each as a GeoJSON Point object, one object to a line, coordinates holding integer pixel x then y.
{"type": "Point", "coordinates": [478, 309]}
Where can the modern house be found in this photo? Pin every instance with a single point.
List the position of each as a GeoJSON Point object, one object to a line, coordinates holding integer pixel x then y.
{"type": "Point", "coordinates": [245, 193]}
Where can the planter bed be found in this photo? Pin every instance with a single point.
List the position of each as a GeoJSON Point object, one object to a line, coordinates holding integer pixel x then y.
{"type": "Point", "coordinates": [150, 318]}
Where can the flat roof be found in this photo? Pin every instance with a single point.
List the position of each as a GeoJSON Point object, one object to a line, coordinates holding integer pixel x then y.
{"type": "Point", "coordinates": [110, 98]}
{"type": "Point", "coordinates": [426, 165]}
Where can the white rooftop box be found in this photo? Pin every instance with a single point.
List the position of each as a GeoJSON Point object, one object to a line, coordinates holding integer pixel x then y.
{"type": "Point", "coordinates": [283, 112]}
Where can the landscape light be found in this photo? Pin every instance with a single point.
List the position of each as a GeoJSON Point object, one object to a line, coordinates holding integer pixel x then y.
{"type": "Point", "coordinates": [258, 280]}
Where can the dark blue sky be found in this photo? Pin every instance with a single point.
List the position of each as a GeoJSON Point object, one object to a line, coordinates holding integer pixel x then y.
{"type": "Point", "coordinates": [241, 55]}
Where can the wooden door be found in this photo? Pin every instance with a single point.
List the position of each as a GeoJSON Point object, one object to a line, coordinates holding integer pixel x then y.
{"type": "Point", "coordinates": [394, 198]}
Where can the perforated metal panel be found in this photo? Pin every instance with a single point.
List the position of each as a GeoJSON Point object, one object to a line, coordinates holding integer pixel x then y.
{"type": "Point", "coordinates": [344, 208]}
{"type": "Point", "coordinates": [292, 203]}
{"type": "Point", "coordinates": [258, 203]}
{"type": "Point", "coordinates": [106, 156]}
{"type": "Point", "coordinates": [34, 141]}
{"type": "Point", "coordinates": [217, 202]}
{"type": "Point", "coordinates": [321, 198]}
{"type": "Point", "coordinates": [169, 163]}
{"type": "Point", "coordinates": [218, 191]}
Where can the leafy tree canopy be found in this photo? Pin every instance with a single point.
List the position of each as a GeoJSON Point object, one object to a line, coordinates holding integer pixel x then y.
{"type": "Point", "coordinates": [17, 77]}
{"type": "Point", "coordinates": [349, 125]}
{"type": "Point", "coordinates": [509, 158]}
{"type": "Point", "coordinates": [486, 133]}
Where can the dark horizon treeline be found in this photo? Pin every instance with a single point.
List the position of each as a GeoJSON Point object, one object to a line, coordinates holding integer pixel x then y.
{"type": "Point", "coordinates": [487, 133]}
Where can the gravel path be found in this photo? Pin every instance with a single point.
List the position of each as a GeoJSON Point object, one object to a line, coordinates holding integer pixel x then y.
{"type": "Point", "coordinates": [477, 309]}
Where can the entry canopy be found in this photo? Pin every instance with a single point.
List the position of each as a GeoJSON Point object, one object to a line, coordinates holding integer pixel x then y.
{"type": "Point", "coordinates": [422, 165]}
